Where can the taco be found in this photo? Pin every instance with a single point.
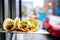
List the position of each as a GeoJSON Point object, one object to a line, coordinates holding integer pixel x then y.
{"type": "Point", "coordinates": [8, 24]}
{"type": "Point", "coordinates": [33, 24]}
{"type": "Point", "coordinates": [23, 25]}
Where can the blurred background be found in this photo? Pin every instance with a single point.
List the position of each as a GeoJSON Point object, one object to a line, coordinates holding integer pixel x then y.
{"type": "Point", "coordinates": [41, 10]}
{"type": "Point", "coordinates": [34, 7]}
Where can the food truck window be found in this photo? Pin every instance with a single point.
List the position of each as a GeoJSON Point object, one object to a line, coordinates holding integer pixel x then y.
{"type": "Point", "coordinates": [7, 10]}
{"type": "Point", "coordinates": [2, 35]}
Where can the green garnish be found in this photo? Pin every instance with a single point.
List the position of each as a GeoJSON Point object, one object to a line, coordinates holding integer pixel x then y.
{"type": "Point", "coordinates": [11, 22]}
{"type": "Point", "coordinates": [23, 22]}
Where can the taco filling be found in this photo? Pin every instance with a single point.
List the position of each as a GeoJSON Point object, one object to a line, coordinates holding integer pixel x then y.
{"type": "Point", "coordinates": [10, 24]}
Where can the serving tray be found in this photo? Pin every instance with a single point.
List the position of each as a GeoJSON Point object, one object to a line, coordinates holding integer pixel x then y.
{"type": "Point", "coordinates": [42, 31]}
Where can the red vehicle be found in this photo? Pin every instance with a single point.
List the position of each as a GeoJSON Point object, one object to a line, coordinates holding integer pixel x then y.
{"type": "Point", "coordinates": [52, 25]}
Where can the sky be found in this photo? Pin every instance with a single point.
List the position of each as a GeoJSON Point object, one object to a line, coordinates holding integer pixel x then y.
{"type": "Point", "coordinates": [39, 3]}
{"type": "Point", "coordinates": [29, 6]}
